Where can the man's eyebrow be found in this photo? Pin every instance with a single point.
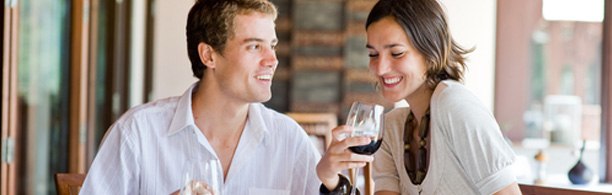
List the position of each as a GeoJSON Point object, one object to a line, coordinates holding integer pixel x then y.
{"type": "Point", "coordinates": [248, 40]}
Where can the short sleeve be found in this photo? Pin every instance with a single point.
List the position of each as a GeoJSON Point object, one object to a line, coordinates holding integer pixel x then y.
{"type": "Point", "coordinates": [475, 139]}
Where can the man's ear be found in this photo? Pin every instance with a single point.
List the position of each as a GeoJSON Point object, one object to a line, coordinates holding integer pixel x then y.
{"type": "Point", "coordinates": [206, 55]}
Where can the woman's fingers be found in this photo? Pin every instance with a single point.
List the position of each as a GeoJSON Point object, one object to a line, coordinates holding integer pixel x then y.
{"type": "Point", "coordinates": [342, 146]}
{"type": "Point", "coordinates": [335, 163]}
{"type": "Point", "coordinates": [342, 165]}
{"type": "Point", "coordinates": [351, 165]}
{"type": "Point", "coordinates": [350, 157]}
{"type": "Point", "coordinates": [339, 157]}
{"type": "Point", "coordinates": [340, 132]}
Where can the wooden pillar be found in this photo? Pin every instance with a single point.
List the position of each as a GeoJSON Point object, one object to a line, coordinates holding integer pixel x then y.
{"type": "Point", "coordinates": [606, 96]}
{"type": "Point", "coordinates": [78, 84]}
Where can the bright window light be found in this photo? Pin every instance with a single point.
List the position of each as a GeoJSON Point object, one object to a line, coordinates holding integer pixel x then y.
{"type": "Point", "coordinates": [573, 10]}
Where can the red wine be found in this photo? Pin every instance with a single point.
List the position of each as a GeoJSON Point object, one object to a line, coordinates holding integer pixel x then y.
{"type": "Point", "coordinates": [367, 149]}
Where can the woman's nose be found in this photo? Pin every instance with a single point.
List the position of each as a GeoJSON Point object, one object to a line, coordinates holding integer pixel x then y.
{"type": "Point", "coordinates": [379, 66]}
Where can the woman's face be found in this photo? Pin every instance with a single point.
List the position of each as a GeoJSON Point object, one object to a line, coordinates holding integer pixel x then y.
{"type": "Point", "coordinates": [399, 68]}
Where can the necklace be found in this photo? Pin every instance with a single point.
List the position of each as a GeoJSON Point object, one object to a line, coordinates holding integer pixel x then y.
{"type": "Point", "coordinates": [416, 168]}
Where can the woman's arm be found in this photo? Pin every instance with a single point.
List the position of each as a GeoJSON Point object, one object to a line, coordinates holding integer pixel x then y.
{"type": "Point", "coordinates": [386, 193]}
{"type": "Point", "coordinates": [338, 157]}
{"type": "Point", "coordinates": [510, 189]}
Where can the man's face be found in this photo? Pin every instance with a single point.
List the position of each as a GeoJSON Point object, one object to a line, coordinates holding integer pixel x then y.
{"type": "Point", "coordinates": [245, 69]}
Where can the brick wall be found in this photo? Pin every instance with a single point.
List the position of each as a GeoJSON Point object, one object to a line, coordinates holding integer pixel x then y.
{"type": "Point", "coordinates": [323, 61]}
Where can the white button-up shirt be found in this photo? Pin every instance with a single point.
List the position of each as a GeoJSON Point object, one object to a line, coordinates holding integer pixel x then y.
{"type": "Point", "coordinates": [144, 152]}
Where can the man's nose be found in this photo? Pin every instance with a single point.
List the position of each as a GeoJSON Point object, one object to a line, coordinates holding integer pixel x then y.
{"type": "Point", "coordinates": [269, 59]}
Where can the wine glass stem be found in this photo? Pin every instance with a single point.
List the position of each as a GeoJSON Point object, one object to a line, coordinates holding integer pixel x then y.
{"type": "Point", "coordinates": [356, 175]}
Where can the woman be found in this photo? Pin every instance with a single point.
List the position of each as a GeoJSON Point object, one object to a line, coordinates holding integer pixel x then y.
{"type": "Point", "coordinates": [446, 142]}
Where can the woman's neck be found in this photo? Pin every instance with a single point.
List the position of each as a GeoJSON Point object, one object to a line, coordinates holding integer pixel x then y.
{"type": "Point", "coordinates": [419, 101]}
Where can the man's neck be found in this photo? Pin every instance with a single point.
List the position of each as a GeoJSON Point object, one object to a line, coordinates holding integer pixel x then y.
{"type": "Point", "coordinates": [221, 119]}
{"type": "Point", "coordinates": [216, 115]}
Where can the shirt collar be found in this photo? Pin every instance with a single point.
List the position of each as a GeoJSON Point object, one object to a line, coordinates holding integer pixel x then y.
{"type": "Point", "coordinates": [256, 123]}
{"type": "Point", "coordinates": [183, 115]}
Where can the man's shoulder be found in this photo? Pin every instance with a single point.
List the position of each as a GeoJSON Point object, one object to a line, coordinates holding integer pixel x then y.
{"type": "Point", "coordinates": [275, 121]}
{"type": "Point", "coordinates": [159, 108]}
{"type": "Point", "coordinates": [268, 113]}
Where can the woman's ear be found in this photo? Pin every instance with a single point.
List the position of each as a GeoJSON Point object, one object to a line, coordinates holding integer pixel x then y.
{"type": "Point", "coordinates": [206, 56]}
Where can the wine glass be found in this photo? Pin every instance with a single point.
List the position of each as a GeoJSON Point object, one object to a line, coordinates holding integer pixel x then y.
{"type": "Point", "coordinates": [200, 177]}
{"type": "Point", "coordinates": [367, 121]}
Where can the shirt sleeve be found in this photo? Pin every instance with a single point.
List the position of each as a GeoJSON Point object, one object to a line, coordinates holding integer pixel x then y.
{"type": "Point", "coordinates": [115, 168]}
{"type": "Point", "coordinates": [305, 176]}
{"type": "Point", "coordinates": [476, 140]}
{"type": "Point", "coordinates": [385, 174]}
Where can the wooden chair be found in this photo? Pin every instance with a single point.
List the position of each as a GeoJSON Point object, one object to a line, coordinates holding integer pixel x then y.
{"type": "Point", "coordinates": [318, 124]}
{"type": "Point", "coordinates": [69, 183]}
{"type": "Point", "coordinates": [321, 124]}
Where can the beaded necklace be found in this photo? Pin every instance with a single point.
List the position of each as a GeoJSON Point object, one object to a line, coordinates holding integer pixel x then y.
{"type": "Point", "coordinates": [416, 168]}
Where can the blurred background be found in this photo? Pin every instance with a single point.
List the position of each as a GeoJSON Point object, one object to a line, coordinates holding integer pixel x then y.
{"type": "Point", "coordinates": [72, 67]}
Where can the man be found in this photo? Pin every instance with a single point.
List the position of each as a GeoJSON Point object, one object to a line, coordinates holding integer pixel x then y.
{"type": "Point", "coordinates": [231, 47]}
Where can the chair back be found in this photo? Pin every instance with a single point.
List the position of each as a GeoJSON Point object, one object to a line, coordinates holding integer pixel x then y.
{"type": "Point", "coordinates": [69, 183]}
{"type": "Point", "coordinates": [317, 124]}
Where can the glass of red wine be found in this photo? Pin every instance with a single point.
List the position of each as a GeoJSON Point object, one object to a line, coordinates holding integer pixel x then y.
{"type": "Point", "coordinates": [367, 121]}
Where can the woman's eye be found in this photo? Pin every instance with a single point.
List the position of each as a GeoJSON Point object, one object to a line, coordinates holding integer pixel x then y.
{"type": "Point", "coordinates": [373, 55]}
{"type": "Point", "coordinates": [397, 54]}
{"type": "Point", "coordinates": [273, 47]}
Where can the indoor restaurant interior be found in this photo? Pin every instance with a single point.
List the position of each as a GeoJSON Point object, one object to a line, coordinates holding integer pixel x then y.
{"type": "Point", "coordinates": [70, 68]}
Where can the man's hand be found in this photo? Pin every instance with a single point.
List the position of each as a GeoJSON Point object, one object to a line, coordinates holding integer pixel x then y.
{"type": "Point", "coordinates": [196, 188]}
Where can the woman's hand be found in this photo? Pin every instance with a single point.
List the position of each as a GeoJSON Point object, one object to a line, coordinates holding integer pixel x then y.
{"type": "Point", "coordinates": [338, 157]}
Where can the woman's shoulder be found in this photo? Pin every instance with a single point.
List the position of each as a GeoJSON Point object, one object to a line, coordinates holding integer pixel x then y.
{"type": "Point", "coordinates": [451, 94]}
{"type": "Point", "coordinates": [396, 118]}
{"type": "Point", "coordinates": [450, 89]}
{"type": "Point", "coordinates": [397, 112]}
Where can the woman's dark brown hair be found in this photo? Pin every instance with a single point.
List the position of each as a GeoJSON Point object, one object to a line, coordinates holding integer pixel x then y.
{"type": "Point", "coordinates": [425, 25]}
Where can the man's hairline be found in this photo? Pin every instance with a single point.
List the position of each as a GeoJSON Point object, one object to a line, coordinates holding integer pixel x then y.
{"type": "Point", "coordinates": [233, 34]}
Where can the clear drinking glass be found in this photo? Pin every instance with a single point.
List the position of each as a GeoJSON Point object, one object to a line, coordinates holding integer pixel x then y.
{"type": "Point", "coordinates": [367, 121]}
{"type": "Point", "coordinates": [201, 177]}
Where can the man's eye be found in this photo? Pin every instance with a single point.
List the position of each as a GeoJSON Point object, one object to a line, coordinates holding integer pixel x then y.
{"type": "Point", "coordinates": [254, 47]}
{"type": "Point", "coordinates": [373, 55]}
{"type": "Point", "coordinates": [273, 47]}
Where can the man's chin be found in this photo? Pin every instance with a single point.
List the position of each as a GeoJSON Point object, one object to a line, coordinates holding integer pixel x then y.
{"type": "Point", "coordinates": [264, 98]}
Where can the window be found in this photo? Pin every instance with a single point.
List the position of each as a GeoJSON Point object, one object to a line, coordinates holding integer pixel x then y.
{"type": "Point", "coordinates": [548, 83]}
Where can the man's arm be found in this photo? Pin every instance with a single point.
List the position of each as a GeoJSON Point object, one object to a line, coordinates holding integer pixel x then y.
{"type": "Point", "coordinates": [114, 168]}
